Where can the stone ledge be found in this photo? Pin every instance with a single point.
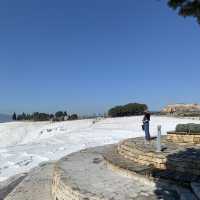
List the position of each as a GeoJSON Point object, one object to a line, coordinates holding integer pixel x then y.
{"type": "Point", "coordinates": [183, 133]}
{"type": "Point", "coordinates": [178, 158]}
{"type": "Point", "coordinates": [126, 167]}
{"type": "Point", "coordinates": [85, 175]}
{"type": "Point", "coordinates": [181, 137]}
{"type": "Point", "coordinates": [145, 173]}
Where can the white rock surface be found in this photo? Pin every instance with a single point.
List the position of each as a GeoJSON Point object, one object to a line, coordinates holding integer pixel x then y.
{"type": "Point", "coordinates": [23, 145]}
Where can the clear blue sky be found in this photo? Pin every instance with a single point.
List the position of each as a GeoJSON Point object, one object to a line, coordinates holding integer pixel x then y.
{"type": "Point", "coordinates": [85, 56]}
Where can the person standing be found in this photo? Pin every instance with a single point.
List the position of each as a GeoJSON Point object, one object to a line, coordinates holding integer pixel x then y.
{"type": "Point", "coordinates": [146, 120]}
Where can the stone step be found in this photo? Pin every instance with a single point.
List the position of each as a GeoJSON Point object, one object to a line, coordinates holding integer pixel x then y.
{"type": "Point", "coordinates": [142, 157]}
{"type": "Point", "coordinates": [180, 164]}
{"type": "Point", "coordinates": [131, 167]}
{"type": "Point", "coordinates": [86, 175]}
{"type": "Point", "coordinates": [113, 157]}
{"type": "Point", "coordinates": [36, 186]}
{"type": "Point", "coordinates": [176, 158]}
{"type": "Point", "coordinates": [183, 137]}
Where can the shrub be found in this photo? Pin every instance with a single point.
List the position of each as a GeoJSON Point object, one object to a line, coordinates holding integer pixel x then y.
{"type": "Point", "coordinates": [127, 110]}
{"type": "Point", "coordinates": [188, 128]}
{"type": "Point", "coordinates": [73, 117]}
{"type": "Point", "coordinates": [59, 114]}
{"type": "Point", "coordinates": [37, 116]}
{"type": "Point", "coordinates": [40, 116]}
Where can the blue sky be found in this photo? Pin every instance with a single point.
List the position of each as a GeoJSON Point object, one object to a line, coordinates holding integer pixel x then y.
{"type": "Point", "coordinates": [86, 56]}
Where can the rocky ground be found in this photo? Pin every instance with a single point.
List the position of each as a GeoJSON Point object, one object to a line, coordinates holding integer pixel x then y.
{"type": "Point", "coordinates": [7, 186]}
{"type": "Point", "coordinates": [31, 186]}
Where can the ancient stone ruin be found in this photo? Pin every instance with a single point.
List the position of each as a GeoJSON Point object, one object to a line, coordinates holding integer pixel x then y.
{"type": "Point", "coordinates": [182, 109]}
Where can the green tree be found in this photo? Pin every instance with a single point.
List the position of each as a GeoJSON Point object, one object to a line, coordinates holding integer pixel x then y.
{"type": "Point", "coordinates": [59, 114]}
{"type": "Point", "coordinates": [35, 116]}
{"type": "Point", "coordinates": [43, 117]}
{"type": "Point", "coordinates": [127, 110]}
{"type": "Point", "coordinates": [23, 116]}
{"type": "Point", "coordinates": [20, 117]}
{"type": "Point", "coordinates": [186, 8]}
{"type": "Point", "coordinates": [73, 117]}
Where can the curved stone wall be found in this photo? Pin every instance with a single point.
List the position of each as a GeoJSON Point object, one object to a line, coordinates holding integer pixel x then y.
{"type": "Point", "coordinates": [61, 190]}
{"type": "Point", "coordinates": [137, 154]}
{"type": "Point", "coordinates": [85, 175]}
{"type": "Point", "coordinates": [177, 158]}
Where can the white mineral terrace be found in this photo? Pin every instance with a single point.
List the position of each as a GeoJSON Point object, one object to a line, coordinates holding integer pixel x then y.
{"type": "Point", "coordinates": [23, 145]}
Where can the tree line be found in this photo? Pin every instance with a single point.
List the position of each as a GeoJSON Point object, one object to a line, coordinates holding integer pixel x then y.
{"type": "Point", "coordinates": [127, 110]}
{"type": "Point", "coordinates": [37, 116]}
